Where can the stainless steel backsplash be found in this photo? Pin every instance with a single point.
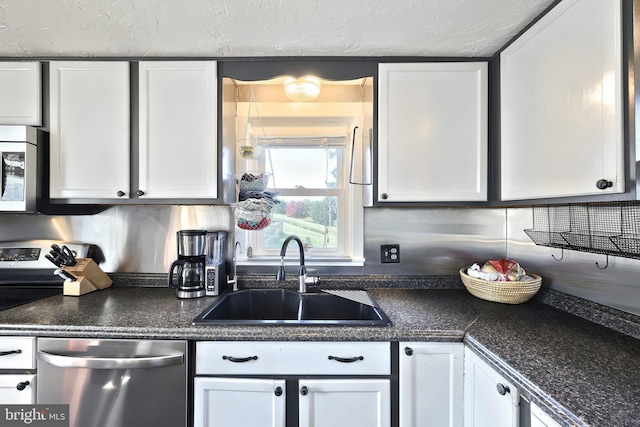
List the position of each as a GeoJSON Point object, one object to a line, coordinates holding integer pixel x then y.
{"type": "Point", "coordinates": [433, 241]}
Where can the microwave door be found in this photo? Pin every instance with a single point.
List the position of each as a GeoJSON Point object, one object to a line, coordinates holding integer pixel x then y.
{"type": "Point", "coordinates": [13, 177]}
{"type": "Point", "coordinates": [18, 176]}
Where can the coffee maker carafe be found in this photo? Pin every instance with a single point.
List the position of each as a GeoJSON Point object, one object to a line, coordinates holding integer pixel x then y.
{"type": "Point", "coordinates": [187, 273]}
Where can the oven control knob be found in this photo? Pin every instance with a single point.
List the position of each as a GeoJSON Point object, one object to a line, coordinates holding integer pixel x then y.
{"type": "Point", "coordinates": [21, 386]}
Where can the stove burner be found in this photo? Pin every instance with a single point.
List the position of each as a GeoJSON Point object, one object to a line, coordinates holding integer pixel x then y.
{"type": "Point", "coordinates": [11, 296]}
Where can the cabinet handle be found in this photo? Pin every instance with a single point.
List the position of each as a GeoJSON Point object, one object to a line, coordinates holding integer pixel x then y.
{"type": "Point", "coordinates": [346, 359]}
{"type": "Point", "coordinates": [408, 351]}
{"type": "Point", "coordinates": [6, 353]}
{"type": "Point", "coordinates": [603, 184]}
{"type": "Point", "coordinates": [503, 389]}
{"type": "Point", "coordinates": [120, 193]}
{"type": "Point", "coordinates": [140, 193]}
{"type": "Point", "coordinates": [239, 359]}
{"type": "Point", "coordinates": [21, 386]}
{"type": "Point", "coordinates": [278, 391]}
{"type": "Point", "coordinates": [384, 196]}
{"type": "Point", "coordinates": [304, 390]}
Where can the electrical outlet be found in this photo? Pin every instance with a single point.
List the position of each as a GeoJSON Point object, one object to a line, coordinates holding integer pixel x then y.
{"type": "Point", "coordinates": [389, 253]}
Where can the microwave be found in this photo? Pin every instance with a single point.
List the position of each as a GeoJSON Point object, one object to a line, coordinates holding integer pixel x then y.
{"type": "Point", "coordinates": [18, 154]}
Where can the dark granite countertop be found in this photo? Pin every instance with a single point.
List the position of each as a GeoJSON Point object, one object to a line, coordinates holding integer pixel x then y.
{"type": "Point", "coordinates": [585, 373]}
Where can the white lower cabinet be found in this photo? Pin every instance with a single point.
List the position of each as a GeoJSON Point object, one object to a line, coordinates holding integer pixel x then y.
{"type": "Point", "coordinates": [332, 384]}
{"type": "Point", "coordinates": [431, 384]}
{"type": "Point", "coordinates": [17, 354]}
{"type": "Point", "coordinates": [352, 402]}
{"type": "Point", "coordinates": [539, 418]}
{"type": "Point", "coordinates": [239, 402]}
{"type": "Point", "coordinates": [17, 388]}
{"type": "Point", "coordinates": [489, 399]}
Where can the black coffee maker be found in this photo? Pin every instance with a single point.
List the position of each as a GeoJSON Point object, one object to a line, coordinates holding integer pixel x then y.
{"type": "Point", "coordinates": [187, 273]}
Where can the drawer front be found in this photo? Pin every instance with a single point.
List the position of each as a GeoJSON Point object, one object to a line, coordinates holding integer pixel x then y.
{"type": "Point", "coordinates": [17, 353]}
{"type": "Point", "coordinates": [293, 358]}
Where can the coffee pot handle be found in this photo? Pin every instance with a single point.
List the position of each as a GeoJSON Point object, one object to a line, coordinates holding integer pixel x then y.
{"type": "Point", "coordinates": [179, 263]}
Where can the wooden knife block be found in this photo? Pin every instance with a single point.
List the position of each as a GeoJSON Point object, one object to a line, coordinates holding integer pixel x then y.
{"type": "Point", "coordinates": [89, 278]}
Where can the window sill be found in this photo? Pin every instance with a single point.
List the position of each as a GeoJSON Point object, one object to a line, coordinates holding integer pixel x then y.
{"type": "Point", "coordinates": [309, 262]}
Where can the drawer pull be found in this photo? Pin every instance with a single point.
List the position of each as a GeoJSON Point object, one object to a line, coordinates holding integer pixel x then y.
{"type": "Point", "coordinates": [278, 391]}
{"type": "Point", "coordinates": [239, 359]}
{"type": "Point", "coordinates": [22, 385]}
{"type": "Point", "coordinates": [6, 353]}
{"type": "Point", "coordinates": [346, 359]}
{"type": "Point", "coordinates": [304, 390]}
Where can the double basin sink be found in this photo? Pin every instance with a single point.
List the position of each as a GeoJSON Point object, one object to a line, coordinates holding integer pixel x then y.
{"type": "Point", "coordinates": [288, 307]}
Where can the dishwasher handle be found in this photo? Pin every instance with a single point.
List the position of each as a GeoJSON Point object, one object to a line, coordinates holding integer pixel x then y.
{"type": "Point", "coordinates": [89, 362]}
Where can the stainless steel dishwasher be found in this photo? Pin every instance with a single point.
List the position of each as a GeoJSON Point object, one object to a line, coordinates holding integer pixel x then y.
{"type": "Point", "coordinates": [115, 383]}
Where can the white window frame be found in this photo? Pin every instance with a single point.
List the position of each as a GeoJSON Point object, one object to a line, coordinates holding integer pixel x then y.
{"type": "Point", "coordinates": [350, 250]}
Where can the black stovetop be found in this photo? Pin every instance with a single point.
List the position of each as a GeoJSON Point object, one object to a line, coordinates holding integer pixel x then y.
{"type": "Point", "coordinates": [22, 286]}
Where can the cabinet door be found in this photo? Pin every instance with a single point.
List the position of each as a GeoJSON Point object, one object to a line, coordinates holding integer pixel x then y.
{"type": "Point", "coordinates": [18, 389]}
{"type": "Point", "coordinates": [561, 104]}
{"type": "Point", "coordinates": [539, 418]}
{"type": "Point", "coordinates": [89, 129]}
{"type": "Point", "coordinates": [20, 92]}
{"type": "Point", "coordinates": [353, 403]}
{"type": "Point", "coordinates": [232, 402]}
{"type": "Point", "coordinates": [489, 399]}
{"type": "Point", "coordinates": [178, 131]}
{"type": "Point", "coordinates": [432, 124]}
{"type": "Point", "coordinates": [431, 384]}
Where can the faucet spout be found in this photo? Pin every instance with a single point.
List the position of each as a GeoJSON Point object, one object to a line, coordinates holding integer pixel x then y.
{"type": "Point", "coordinates": [234, 280]}
{"type": "Point", "coordinates": [302, 272]}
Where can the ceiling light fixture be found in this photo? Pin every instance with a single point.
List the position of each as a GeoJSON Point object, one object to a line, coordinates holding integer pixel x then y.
{"type": "Point", "coordinates": [302, 89]}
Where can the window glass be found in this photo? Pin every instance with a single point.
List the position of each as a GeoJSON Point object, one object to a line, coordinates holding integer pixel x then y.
{"type": "Point", "coordinates": [302, 167]}
{"type": "Point", "coordinates": [313, 219]}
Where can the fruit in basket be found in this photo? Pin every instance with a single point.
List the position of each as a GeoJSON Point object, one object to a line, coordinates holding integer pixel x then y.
{"type": "Point", "coordinates": [504, 270]}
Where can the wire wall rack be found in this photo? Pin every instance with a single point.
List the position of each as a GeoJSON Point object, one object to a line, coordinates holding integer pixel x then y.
{"type": "Point", "coordinates": [611, 228]}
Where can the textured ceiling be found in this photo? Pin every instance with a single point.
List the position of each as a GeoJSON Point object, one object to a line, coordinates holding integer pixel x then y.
{"type": "Point", "coordinates": [227, 28]}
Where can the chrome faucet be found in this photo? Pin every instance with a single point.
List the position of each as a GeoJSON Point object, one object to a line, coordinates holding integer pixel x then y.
{"type": "Point", "coordinates": [234, 281]}
{"type": "Point", "coordinates": [302, 273]}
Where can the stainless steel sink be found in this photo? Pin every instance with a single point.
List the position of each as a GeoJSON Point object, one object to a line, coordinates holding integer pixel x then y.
{"type": "Point", "coordinates": [286, 307]}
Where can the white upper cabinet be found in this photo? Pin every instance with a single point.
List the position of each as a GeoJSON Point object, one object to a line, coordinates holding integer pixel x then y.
{"type": "Point", "coordinates": [178, 129]}
{"type": "Point", "coordinates": [89, 129]}
{"type": "Point", "coordinates": [20, 93]}
{"type": "Point", "coordinates": [432, 132]}
{"type": "Point", "coordinates": [561, 104]}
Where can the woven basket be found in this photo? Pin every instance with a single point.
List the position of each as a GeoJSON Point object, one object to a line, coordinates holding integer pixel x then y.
{"type": "Point", "coordinates": [253, 181]}
{"type": "Point", "coordinates": [498, 291]}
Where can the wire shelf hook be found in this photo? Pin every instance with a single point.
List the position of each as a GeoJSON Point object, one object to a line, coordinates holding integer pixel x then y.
{"type": "Point", "coordinates": [561, 255]}
{"type": "Point", "coordinates": [605, 266]}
